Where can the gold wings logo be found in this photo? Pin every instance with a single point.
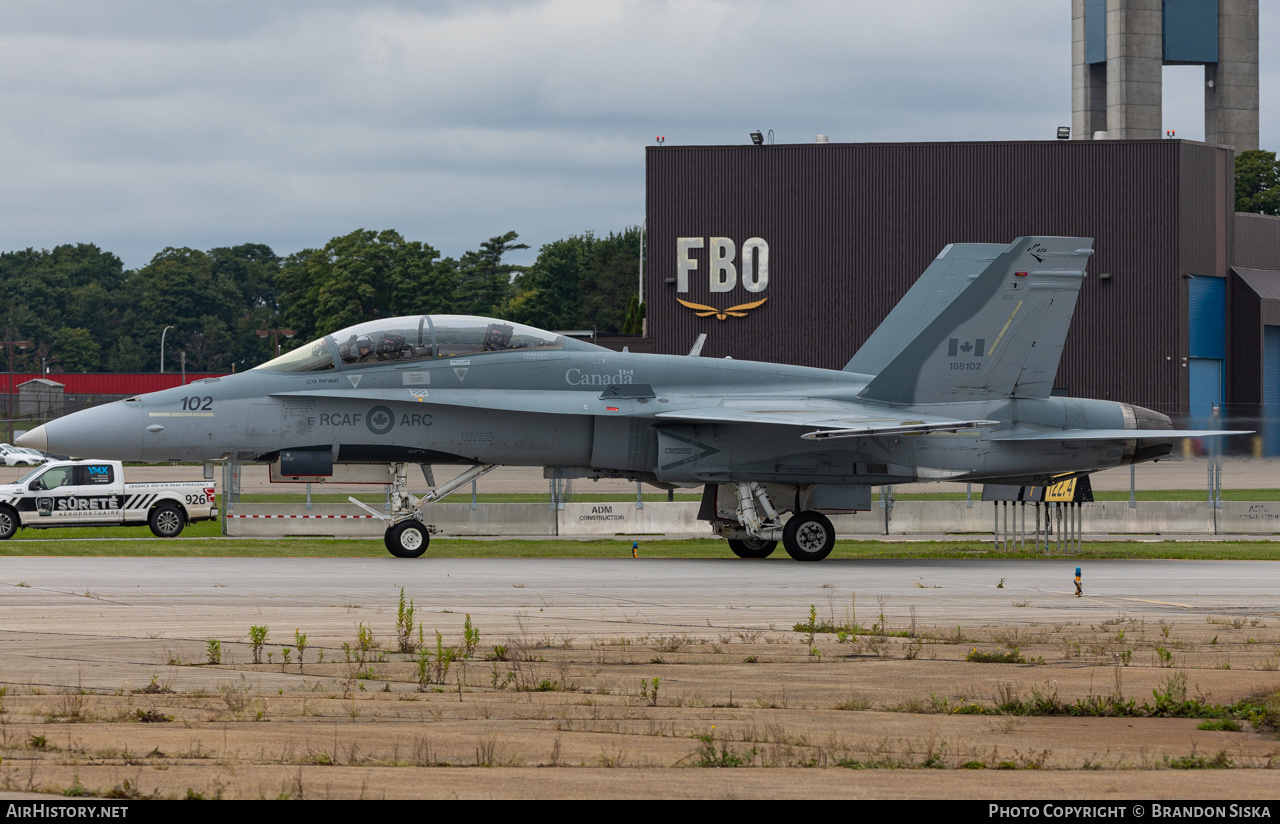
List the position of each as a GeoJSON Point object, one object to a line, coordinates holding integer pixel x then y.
{"type": "Point", "coordinates": [739, 311]}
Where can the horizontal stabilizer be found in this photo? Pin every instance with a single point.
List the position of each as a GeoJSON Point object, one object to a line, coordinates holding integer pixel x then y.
{"type": "Point", "coordinates": [905, 429]}
{"type": "Point", "coordinates": [827, 418]}
{"type": "Point", "coordinates": [1121, 434]}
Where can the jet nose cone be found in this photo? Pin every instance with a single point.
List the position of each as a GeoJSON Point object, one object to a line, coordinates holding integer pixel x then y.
{"type": "Point", "coordinates": [113, 430]}
{"type": "Point", "coordinates": [34, 439]}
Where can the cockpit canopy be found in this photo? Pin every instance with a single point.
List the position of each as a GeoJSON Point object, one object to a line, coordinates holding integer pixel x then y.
{"type": "Point", "coordinates": [420, 338]}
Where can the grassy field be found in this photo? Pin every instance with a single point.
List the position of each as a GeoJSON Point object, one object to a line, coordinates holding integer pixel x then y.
{"type": "Point", "coordinates": [90, 543]}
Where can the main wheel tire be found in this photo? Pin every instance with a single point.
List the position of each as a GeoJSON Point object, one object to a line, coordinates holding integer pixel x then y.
{"type": "Point", "coordinates": [407, 539]}
{"type": "Point", "coordinates": [752, 547]}
{"type": "Point", "coordinates": [167, 520]}
{"type": "Point", "coordinates": [809, 536]}
{"type": "Point", "coordinates": [9, 522]}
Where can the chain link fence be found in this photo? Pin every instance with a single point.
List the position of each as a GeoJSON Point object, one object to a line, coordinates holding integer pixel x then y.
{"type": "Point", "coordinates": [251, 483]}
{"type": "Point", "coordinates": [1191, 477]}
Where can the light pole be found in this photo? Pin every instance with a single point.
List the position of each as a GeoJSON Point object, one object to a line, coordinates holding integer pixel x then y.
{"type": "Point", "coordinates": [9, 343]}
{"type": "Point", "coordinates": [162, 334]}
{"type": "Point", "coordinates": [275, 338]}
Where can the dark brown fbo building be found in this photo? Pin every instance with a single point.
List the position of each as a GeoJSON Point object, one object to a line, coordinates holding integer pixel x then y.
{"type": "Point", "coordinates": [795, 253]}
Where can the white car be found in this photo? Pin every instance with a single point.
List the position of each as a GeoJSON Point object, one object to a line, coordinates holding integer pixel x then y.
{"type": "Point", "coordinates": [39, 457]}
{"type": "Point", "coordinates": [17, 456]}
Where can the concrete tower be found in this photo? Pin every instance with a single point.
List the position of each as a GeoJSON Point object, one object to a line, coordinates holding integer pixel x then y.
{"type": "Point", "coordinates": [1119, 46]}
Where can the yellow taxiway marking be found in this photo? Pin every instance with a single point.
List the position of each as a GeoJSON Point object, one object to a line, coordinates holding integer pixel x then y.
{"type": "Point", "coordinates": [1082, 598]}
{"type": "Point", "coordinates": [1161, 603]}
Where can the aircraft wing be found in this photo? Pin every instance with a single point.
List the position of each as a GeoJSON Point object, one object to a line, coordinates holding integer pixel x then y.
{"type": "Point", "coordinates": [827, 419]}
{"type": "Point", "coordinates": [1119, 434]}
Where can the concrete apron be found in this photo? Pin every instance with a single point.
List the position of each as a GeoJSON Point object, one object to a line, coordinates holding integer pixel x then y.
{"type": "Point", "coordinates": [576, 520]}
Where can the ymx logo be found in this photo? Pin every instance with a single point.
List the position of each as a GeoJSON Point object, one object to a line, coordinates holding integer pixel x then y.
{"type": "Point", "coordinates": [380, 420]}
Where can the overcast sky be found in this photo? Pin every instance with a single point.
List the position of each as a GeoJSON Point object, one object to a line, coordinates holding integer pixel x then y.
{"type": "Point", "coordinates": [140, 125]}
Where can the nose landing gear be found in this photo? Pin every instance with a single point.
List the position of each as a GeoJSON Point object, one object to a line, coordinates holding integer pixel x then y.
{"type": "Point", "coordinates": [407, 539]}
{"type": "Point", "coordinates": [407, 536]}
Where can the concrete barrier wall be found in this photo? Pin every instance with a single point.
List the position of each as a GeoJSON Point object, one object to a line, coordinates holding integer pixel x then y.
{"type": "Point", "coordinates": [1249, 518]}
{"type": "Point", "coordinates": [660, 518]}
{"type": "Point", "coordinates": [623, 518]}
{"type": "Point", "coordinates": [454, 519]}
{"type": "Point", "coordinates": [1149, 518]}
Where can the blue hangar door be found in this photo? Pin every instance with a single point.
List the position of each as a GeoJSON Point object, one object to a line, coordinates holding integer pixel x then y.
{"type": "Point", "coordinates": [1271, 389]}
{"type": "Point", "coordinates": [1207, 345]}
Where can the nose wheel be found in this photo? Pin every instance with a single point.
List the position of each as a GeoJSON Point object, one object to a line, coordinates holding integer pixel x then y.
{"type": "Point", "coordinates": [407, 539]}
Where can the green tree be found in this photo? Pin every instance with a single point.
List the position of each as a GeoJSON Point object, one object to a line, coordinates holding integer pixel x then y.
{"type": "Point", "coordinates": [483, 280]}
{"type": "Point", "coordinates": [580, 282]}
{"type": "Point", "coordinates": [125, 355]}
{"type": "Point", "coordinates": [547, 294]}
{"type": "Point", "coordinates": [633, 323]}
{"type": "Point", "coordinates": [76, 350]}
{"type": "Point", "coordinates": [297, 292]}
{"type": "Point", "coordinates": [71, 286]}
{"type": "Point", "coordinates": [251, 269]}
{"type": "Point", "coordinates": [208, 347]}
{"type": "Point", "coordinates": [180, 288]}
{"type": "Point", "coordinates": [358, 277]}
{"type": "Point", "coordinates": [615, 266]}
{"type": "Point", "coordinates": [1258, 182]}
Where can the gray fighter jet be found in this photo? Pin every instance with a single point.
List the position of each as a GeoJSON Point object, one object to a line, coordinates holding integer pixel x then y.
{"type": "Point", "coordinates": [954, 385]}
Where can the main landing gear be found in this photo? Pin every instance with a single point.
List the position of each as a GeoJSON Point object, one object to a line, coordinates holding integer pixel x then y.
{"type": "Point", "coordinates": [806, 535]}
{"type": "Point", "coordinates": [407, 536]}
{"type": "Point", "coordinates": [809, 536]}
{"type": "Point", "coordinates": [752, 547]}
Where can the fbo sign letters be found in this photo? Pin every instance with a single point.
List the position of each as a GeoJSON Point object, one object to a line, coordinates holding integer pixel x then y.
{"type": "Point", "coordinates": [723, 273]}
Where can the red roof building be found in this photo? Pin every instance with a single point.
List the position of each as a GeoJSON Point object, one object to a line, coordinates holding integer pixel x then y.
{"type": "Point", "coordinates": [101, 383]}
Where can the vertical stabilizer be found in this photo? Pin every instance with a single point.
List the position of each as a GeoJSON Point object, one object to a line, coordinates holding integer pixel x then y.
{"type": "Point", "coordinates": [1001, 337]}
{"type": "Point", "coordinates": [950, 274]}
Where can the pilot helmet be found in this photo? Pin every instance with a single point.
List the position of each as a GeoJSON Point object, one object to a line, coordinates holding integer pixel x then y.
{"type": "Point", "coordinates": [363, 343]}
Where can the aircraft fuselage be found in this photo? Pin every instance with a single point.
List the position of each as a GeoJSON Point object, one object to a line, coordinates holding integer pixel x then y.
{"type": "Point", "coordinates": [586, 408]}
